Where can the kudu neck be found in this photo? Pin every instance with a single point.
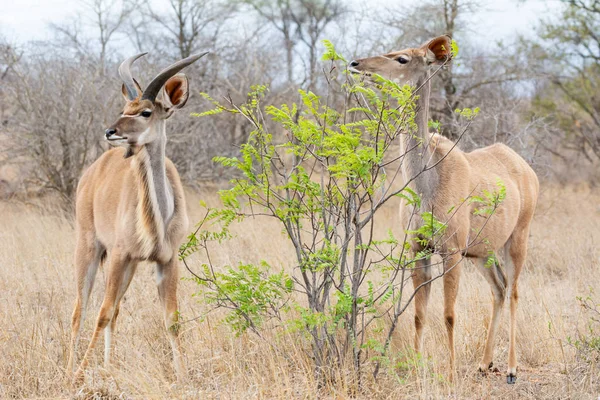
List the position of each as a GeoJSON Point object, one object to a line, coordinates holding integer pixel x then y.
{"type": "Point", "coordinates": [156, 148]}
{"type": "Point", "coordinates": [417, 149]}
{"type": "Point", "coordinates": [155, 162]}
{"type": "Point", "coordinates": [422, 107]}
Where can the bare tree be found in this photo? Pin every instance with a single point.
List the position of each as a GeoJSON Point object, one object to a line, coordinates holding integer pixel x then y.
{"type": "Point", "coordinates": [106, 18]}
{"type": "Point", "coordinates": [188, 25]}
{"type": "Point", "coordinates": [9, 57]}
{"type": "Point", "coordinates": [279, 15]}
{"type": "Point", "coordinates": [312, 18]}
{"type": "Point", "coordinates": [109, 22]}
{"type": "Point", "coordinates": [299, 21]}
{"type": "Point", "coordinates": [61, 109]}
{"type": "Point", "coordinates": [568, 52]}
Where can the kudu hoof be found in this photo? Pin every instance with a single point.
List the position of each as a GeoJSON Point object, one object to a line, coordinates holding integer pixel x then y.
{"type": "Point", "coordinates": [490, 368]}
{"type": "Point", "coordinates": [77, 379]}
{"type": "Point", "coordinates": [511, 379]}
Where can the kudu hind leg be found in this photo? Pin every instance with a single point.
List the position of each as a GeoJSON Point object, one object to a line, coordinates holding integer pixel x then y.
{"type": "Point", "coordinates": [516, 249]}
{"type": "Point", "coordinates": [114, 282]}
{"type": "Point", "coordinates": [420, 275]}
{"type": "Point", "coordinates": [88, 256]}
{"type": "Point", "coordinates": [167, 277]}
{"type": "Point", "coordinates": [497, 281]}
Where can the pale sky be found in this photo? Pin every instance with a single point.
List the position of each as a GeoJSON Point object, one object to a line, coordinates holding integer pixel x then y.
{"type": "Point", "coordinates": [24, 20]}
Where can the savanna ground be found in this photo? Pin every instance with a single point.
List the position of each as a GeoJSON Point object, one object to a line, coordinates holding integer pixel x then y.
{"type": "Point", "coordinates": [37, 291]}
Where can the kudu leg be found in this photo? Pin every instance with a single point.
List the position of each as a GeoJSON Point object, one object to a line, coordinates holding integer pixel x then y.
{"type": "Point", "coordinates": [87, 259]}
{"type": "Point", "coordinates": [420, 275]}
{"type": "Point", "coordinates": [167, 277]}
{"type": "Point", "coordinates": [114, 283]}
{"type": "Point", "coordinates": [128, 272]}
{"type": "Point", "coordinates": [451, 281]}
{"type": "Point", "coordinates": [517, 250]}
{"type": "Point", "coordinates": [497, 281]}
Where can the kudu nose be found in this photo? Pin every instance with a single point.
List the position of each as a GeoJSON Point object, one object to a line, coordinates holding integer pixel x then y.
{"type": "Point", "coordinates": [354, 63]}
{"type": "Point", "coordinates": [109, 132]}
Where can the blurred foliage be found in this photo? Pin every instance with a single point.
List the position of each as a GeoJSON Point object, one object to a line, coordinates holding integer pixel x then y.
{"type": "Point", "coordinates": [57, 96]}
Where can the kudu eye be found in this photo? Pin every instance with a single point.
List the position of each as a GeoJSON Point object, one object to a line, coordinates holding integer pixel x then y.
{"type": "Point", "coordinates": [402, 60]}
{"type": "Point", "coordinates": [146, 114]}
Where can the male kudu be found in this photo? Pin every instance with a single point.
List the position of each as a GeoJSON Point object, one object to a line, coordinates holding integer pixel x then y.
{"type": "Point", "coordinates": [130, 207]}
{"type": "Point", "coordinates": [444, 176]}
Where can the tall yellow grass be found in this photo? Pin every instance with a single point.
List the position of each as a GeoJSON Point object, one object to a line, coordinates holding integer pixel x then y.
{"type": "Point", "coordinates": [37, 290]}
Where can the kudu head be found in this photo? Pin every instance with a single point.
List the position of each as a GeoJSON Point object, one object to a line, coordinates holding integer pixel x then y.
{"type": "Point", "coordinates": [140, 120]}
{"type": "Point", "coordinates": [410, 66]}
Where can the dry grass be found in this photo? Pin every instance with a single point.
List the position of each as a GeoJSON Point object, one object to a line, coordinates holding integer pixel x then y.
{"type": "Point", "coordinates": [37, 292]}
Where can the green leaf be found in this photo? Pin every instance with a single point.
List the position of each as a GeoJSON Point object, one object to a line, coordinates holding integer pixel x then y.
{"type": "Point", "coordinates": [330, 53]}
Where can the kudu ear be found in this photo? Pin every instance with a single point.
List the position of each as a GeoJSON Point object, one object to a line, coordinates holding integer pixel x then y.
{"type": "Point", "coordinates": [439, 50]}
{"type": "Point", "coordinates": [137, 87]}
{"type": "Point", "coordinates": [176, 91]}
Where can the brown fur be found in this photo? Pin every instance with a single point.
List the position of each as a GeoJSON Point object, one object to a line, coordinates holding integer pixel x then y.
{"type": "Point", "coordinates": [137, 106]}
{"type": "Point", "coordinates": [131, 210]}
{"type": "Point", "coordinates": [457, 176]}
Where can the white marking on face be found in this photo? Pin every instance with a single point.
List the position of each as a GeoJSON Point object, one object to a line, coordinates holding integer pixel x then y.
{"type": "Point", "coordinates": [116, 142]}
{"type": "Point", "coordinates": [143, 135]}
{"type": "Point", "coordinates": [114, 138]}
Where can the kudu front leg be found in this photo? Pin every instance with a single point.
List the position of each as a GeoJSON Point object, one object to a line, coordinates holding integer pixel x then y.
{"type": "Point", "coordinates": [452, 270]}
{"type": "Point", "coordinates": [420, 276]}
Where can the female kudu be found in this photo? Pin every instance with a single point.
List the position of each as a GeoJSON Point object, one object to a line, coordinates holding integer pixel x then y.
{"type": "Point", "coordinates": [444, 176]}
{"type": "Point", "coordinates": [130, 208]}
